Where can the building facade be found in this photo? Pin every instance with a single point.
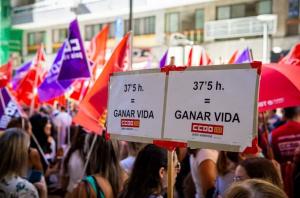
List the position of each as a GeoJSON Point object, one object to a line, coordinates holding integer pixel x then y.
{"type": "Point", "coordinates": [219, 26]}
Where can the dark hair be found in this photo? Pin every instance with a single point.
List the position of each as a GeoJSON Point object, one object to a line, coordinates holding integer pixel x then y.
{"type": "Point", "coordinates": [223, 161]}
{"type": "Point", "coordinates": [20, 122]}
{"type": "Point", "coordinates": [144, 178]}
{"type": "Point", "coordinates": [261, 168]}
{"type": "Point", "coordinates": [104, 160]}
{"type": "Point", "coordinates": [77, 143]}
{"type": "Point", "coordinates": [254, 188]}
{"type": "Point", "coordinates": [291, 112]}
{"type": "Point", "coordinates": [14, 144]}
{"type": "Point", "coordinates": [38, 123]}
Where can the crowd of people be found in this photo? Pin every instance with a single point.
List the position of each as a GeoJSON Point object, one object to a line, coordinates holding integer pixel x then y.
{"type": "Point", "coordinates": [47, 155]}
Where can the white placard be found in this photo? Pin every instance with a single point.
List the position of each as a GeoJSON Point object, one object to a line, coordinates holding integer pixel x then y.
{"type": "Point", "coordinates": [136, 104]}
{"type": "Point", "coordinates": [212, 106]}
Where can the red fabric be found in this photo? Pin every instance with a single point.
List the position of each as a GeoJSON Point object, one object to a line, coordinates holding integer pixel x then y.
{"type": "Point", "coordinates": [293, 57]}
{"type": "Point", "coordinates": [253, 149]}
{"type": "Point", "coordinates": [285, 139]}
{"type": "Point", "coordinates": [87, 122]}
{"type": "Point", "coordinates": [233, 57]}
{"type": "Point", "coordinates": [279, 86]}
{"type": "Point", "coordinates": [94, 103]}
{"type": "Point", "coordinates": [26, 90]}
{"type": "Point", "coordinates": [204, 58]}
{"type": "Point", "coordinates": [190, 59]}
{"type": "Point", "coordinates": [5, 74]}
{"type": "Point", "coordinates": [80, 89]}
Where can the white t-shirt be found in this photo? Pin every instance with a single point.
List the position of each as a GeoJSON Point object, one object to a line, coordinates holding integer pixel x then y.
{"type": "Point", "coordinates": [17, 187]}
{"type": "Point", "coordinates": [127, 163]}
{"type": "Point", "coordinates": [75, 170]}
{"type": "Point", "coordinates": [202, 155]}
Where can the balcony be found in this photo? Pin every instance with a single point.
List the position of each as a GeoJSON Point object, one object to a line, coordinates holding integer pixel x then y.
{"type": "Point", "coordinates": [236, 28]}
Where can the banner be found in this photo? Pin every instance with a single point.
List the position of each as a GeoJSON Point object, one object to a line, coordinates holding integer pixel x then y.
{"type": "Point", "coordinates": [75, 63]}
{"type": "Point", "coordinates": [8, 108]}
{"type": "Point", "coordinates": [206, 107]}
{"type": "Point", "coordinates": [136, 104]}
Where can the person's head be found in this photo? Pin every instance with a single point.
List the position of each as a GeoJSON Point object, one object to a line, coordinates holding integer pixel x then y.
{"type": "Point", "coordinates": [14, 145]}
{"type": "Point", "coordinates": [258, 168]}
{"type": "Point", "coordinates": [149, 173]}
{"type": "Point", "coordinates": [134, 148]}
{"type": "Point", "coordinates": [292, 113]}
{"type": "Point", "coordinates": [104, 161]}
{"type": "Point", "coordinates": [77, 144]}
{"type": "Point", "coordinates": [22, 123]}
{"type": "Point", "coordinates": [254, 188]}
{"type": "Point", "coordinates": [227, 161]}
{"type": "Point", "coordinates": [172, 60]}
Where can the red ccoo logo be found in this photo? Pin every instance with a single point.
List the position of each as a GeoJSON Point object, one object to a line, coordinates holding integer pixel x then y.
{"type": "Point", "coordinates": [207, 128]}
{"type": "Point", "coordinates": [132, 123]}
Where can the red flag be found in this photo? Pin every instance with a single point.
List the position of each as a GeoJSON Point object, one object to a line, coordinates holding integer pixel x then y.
{"type": "Point", "coordinates": [5, 73]}
{"type": "Point", "coordinates": [190, 59]}
{"type": "Point", "coordinates": [26, 91]}
{"type": "Point", "coordinates": [98, 46]}
{"type": "Point", "coordinates": [293, 57]}
{"type": "Point", "coordinates": [95, 102]}
{"type": "Point", "coordinates": [80, 89]}
{"type": "Point", "coordinates": [87, 122]}
{"type": "Point", "coordinates": [204, 58]}
{"type": "Point", "coordinates": [233, 57]}
{"type": "Point", "coordinates": [27, 88]}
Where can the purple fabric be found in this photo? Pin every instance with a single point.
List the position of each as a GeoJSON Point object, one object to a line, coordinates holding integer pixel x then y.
{"type": "Point", "coordinates": [51, 87]}
{"type": "Point", "coordinates": [8, 109]}
{"type": "Point", "coordinates": [75, 63]}
{"type": "Point", "coordinates": [163, 60]}
{"type": "Point", "coordinates": [244, 57]}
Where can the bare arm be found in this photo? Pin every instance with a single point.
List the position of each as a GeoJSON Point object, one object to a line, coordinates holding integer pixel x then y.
{"type": "Point", "coordinates": [207, 174]}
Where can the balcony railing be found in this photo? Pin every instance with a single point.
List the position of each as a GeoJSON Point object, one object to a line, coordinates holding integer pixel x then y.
{"type": "Point", "coordinates": [240, 27]}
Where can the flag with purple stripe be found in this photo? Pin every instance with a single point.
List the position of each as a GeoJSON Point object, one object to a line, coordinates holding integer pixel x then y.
{"type": "Point", "coordinates": [244, 57]}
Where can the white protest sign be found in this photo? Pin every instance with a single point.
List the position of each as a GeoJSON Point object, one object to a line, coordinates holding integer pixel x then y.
{"type": "Point", "coordinates": [212, 106]}
{"type": "Point", "coordinates": [136, 104]}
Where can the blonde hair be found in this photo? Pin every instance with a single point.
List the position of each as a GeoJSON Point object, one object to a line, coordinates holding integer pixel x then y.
{"type": "Point", "coordinates": [14, 144]}
{"type": "Point", "coordinates": [254, 188]}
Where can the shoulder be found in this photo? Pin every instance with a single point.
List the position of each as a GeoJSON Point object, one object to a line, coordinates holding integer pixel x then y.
{"type": "Point", "coordinates": [207, 154]}
{"type": "Point", "coordinates": [18, 187]}
{"type": "Point", "coordinates": [105, 186]}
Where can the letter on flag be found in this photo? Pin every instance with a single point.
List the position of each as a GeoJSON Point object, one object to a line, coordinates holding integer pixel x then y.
{"type": "Point", "coordinates": [8, 108]}
{"type": "Point", "coordinates": [75, 63]}
{"type": "Point", "coordinates": [51, 87]}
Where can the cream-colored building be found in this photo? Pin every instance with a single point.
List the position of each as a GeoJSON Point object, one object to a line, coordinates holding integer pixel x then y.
{"type": "Point", "coordinates": [219, 26]}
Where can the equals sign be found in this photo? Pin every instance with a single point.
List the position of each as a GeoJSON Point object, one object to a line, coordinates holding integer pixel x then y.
{"type": "Point", "coordinates": [206, 100]}
{"type": "Point", "coordinates": [132, 100]}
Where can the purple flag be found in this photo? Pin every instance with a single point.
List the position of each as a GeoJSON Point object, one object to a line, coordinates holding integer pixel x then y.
{"type": "Point", "coordinates": [20, 73]}
{"type": "Point", "coordinates": [8, 108]}
{"type": "Point", "coordinates": [163, 60]}
{"type": "Point", "coordinates": [75, 63]}
{"type": "Point", "coordinates": [51, 87]}
{"type": "Point", "coordinates": [244, 57]}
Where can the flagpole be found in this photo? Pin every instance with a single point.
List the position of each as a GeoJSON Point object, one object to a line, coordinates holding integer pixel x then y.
{"type": "Point", "coordinates": [89, 154]}
{"type": "Point", "coordinates": [2, 101]}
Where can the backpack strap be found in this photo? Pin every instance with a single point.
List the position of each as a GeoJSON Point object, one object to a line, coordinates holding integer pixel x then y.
{"type": "Point", "coordinates": [93, 182]}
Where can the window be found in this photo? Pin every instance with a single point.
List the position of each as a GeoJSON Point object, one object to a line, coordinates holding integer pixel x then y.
{"type": "Point", "coordinates": [59, 35]}
{"type": "Point", "coordinates": [238, 10]}
{"type": "Point", "coordinates": [138, 27]}
{"type": "Point", "coordinates": [92, 30]}
{"type": "Point", "coordinates": [199, 19]}
{"type": "Point", "coordinates": [111, 30]}
{"type": "Point", "coordinates": [264, 7]}
{"type": "Point", "coordinates": [149, 25]}
{"type": "Point", "coordinates": [223, 12]}
{"type": "Point", "coordinates": [34, 39]}
{"type": "Point", "coordinates": [293, 9]}
{"type": "Point", "coordinates": [172, 22]}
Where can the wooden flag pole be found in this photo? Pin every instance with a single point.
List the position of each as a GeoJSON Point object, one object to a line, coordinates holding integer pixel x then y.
{"type": "Point", "coordinates": [170, 174]}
